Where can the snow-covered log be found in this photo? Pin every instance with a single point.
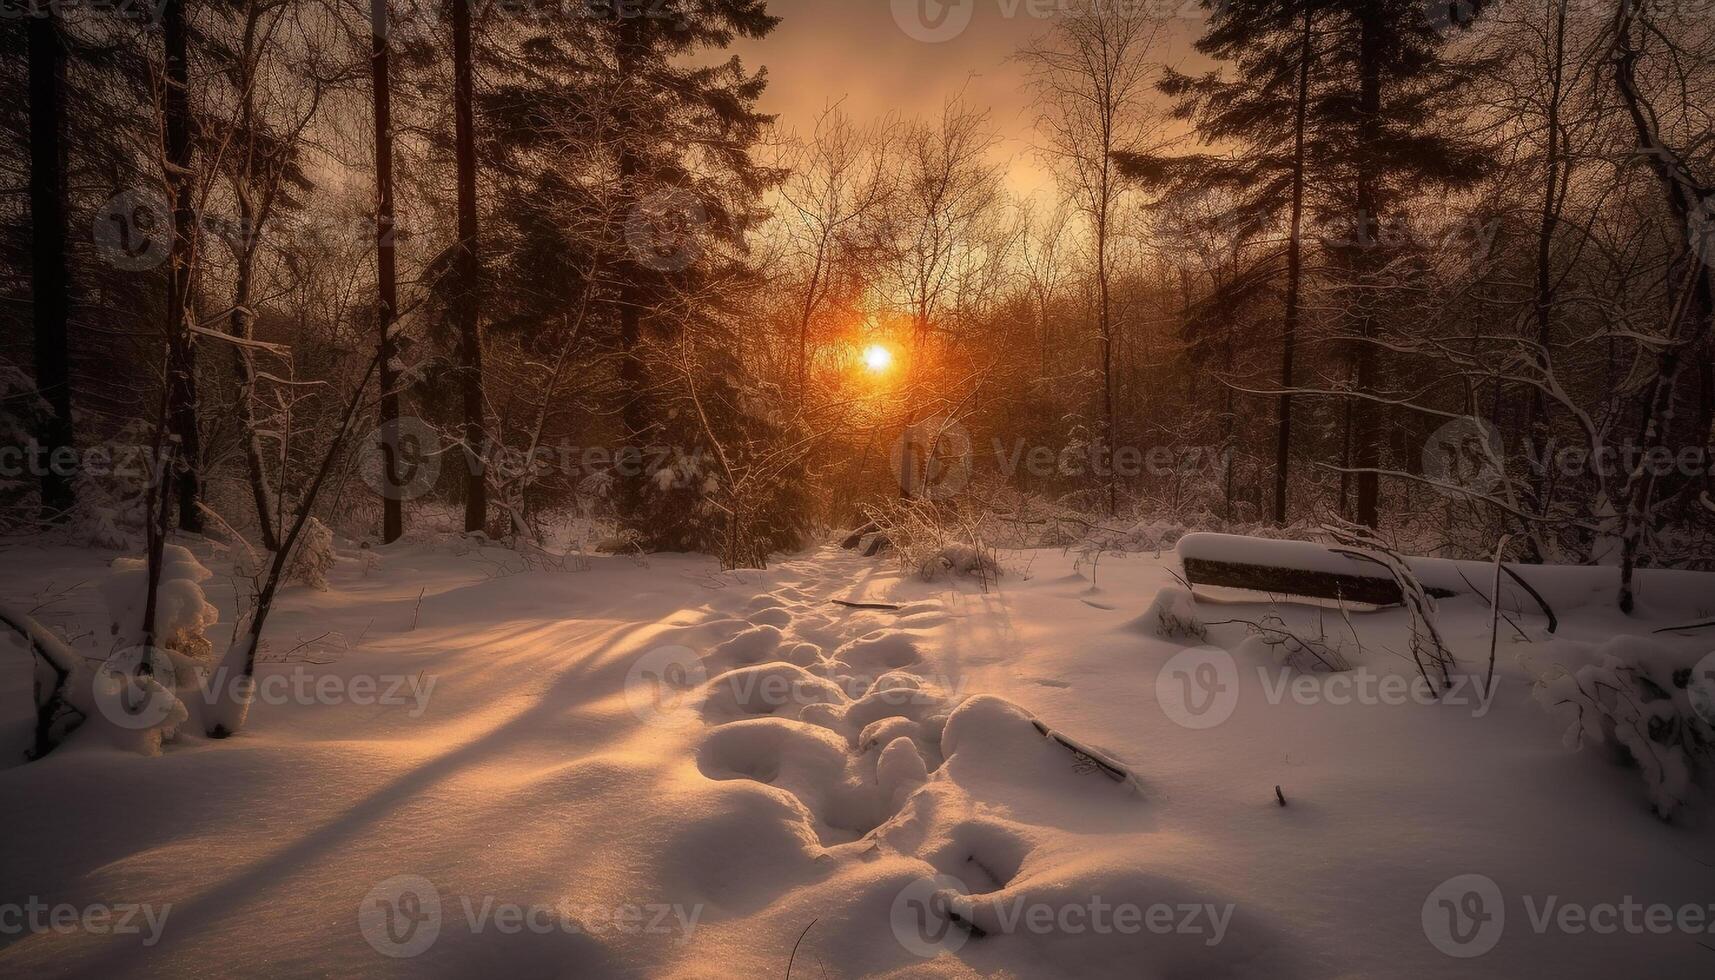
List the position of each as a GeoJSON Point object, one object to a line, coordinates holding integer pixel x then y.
{"type": "Point", "coordinates": [1301, 568]}
{"type": "Point", "coordinates": [56, 665]}
{"type": "Point", "coordinates": [1309, 570]}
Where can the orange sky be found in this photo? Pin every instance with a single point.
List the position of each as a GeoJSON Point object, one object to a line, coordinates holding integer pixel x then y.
{"type": "Point", "coordinates": [826, 50]}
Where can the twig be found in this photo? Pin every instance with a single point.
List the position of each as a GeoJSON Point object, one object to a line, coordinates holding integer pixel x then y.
{"type": "Point", "coordinates": [1687, 628]}
{"type": "Point", "coordinates": [794, 957]}
{"type": "Point", "coordinates": [866, 605]}
{"type": "Point", "coordinates": [1495, 609]}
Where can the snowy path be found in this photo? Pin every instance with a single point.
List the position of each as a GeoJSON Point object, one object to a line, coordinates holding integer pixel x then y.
{"type": "Point", "coordinates": [661, 770]}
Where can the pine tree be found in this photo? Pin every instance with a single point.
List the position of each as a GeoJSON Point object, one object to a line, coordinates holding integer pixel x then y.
{"type": "Point", "coordinates": [1344, 109]}
{"type": "Point", "coordinates": [625, 189]}
{"type": "Point", "coordinates": [50, 278]}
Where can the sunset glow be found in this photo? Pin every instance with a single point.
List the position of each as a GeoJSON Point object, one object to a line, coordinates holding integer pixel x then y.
{"type": "Point", "coordinates": [877, 358]}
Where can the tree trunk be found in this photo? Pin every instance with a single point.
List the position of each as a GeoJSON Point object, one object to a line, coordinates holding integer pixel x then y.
{"type": "Point", "coordinates": [1366, 423]}
{"type": "Point", "coordinates": [1294, 278]}
{"type": "Point", "coordinates": [467, 274]}
{"type": "Point", "coordinates": [1538, 422]}
{"type": "Point", "coordinates": [1693, 301]}
{"type": "Point", "coordinates": [239, 326]}
{"type": "Point", "coordinates": [181, 372]}
{"type": "Point", "coordinates": [50, 282]}
{"type": "Point", "coordinates": [387, 289]}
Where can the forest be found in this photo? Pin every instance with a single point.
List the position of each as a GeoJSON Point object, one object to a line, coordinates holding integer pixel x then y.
{"type": "Point", "coordinates": [1444, 273]}
{"type": "Point", "coordinates": [336, 297]}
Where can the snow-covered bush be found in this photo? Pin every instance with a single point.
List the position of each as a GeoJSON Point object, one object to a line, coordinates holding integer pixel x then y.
{"type": "Point", "coordinates": [140, 708]}
{"type": "Point", "coordinates": [182, 613]}
{"type": "Point", "coordinates": [934, 540]}
{"type": "Point", "coordinates": [1173, 616]}
{"type": "Point", "coordinates": [313, 557]}
{"type": "Point", "coordinates": [960, 559]}
{"type": "Point", "coordinates": [1322, 653]}
{"type": "Point", "coordinates": [1636, 700]}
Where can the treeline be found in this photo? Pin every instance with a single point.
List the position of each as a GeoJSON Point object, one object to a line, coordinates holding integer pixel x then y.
{"type": "Point", "coordinates": [1442, 269]}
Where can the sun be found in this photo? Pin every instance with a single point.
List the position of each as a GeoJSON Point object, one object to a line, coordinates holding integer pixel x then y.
{"type": "Point", "coordinates": [877, 358]}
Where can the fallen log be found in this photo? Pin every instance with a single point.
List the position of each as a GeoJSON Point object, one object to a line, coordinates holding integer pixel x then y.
{"type": "Point", "coordinates": [1309, 570]}
{"type": "Point", "coordinates": [856, 537]}
{"type": "Point", "coordinates": [884, 606]}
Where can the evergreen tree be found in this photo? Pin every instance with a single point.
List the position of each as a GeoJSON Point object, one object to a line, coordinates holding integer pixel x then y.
{"type": "Point", "coordinates": [1351, 106]}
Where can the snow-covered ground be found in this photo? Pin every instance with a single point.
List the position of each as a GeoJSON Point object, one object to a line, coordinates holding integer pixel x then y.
{"type": "Point", "coordinates": [652, 768]}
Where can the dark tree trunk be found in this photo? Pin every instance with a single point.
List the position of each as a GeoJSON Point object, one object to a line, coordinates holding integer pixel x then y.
{"type": "Point", "coordinates": [635, 414]}
{"type": "Point", "coordinates": [1294, 278]}
{"type": "Point", "coordinates": [1366, 422]}
{"type": "Point", "coordinates": [392, 508]}
{"type": "Point", "coordinates": [181, 371]}
{"type": "Point", "coordinates": [467, 274]}
{"type": "Point", "coordinates": [1538, 423]}
{"type": "Point", "coordinates": [49, 284]}
{"type": "Point", "coordinates": [1691, 291]}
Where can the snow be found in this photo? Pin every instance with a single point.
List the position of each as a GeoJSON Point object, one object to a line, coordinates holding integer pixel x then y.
{"type": "Point", "coordinates": [653, 768]}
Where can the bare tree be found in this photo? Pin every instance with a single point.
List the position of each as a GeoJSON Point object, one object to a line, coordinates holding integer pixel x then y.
{"type": "Point", "coordinates": [947, 196]}
{"type": "Point", "coordinates": [1094, 84]}
{"type": "Point", "coordinates": [467, 274]}
{"type": "Point", "coordinates": [834, 201]}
